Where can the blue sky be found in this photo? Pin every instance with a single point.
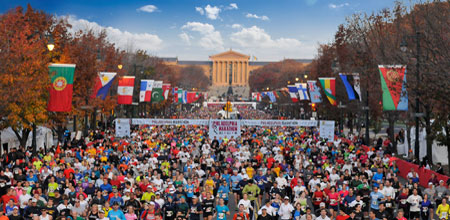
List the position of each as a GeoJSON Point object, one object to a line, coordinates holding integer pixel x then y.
{"type": "Point", "coordinates": [195, 29]}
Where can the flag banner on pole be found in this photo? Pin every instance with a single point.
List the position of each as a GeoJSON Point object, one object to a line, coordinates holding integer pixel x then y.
{"type": "Point", "coordinates": [302, 89]}
{"type": "Point", "coordinates": [145, 94]}
{"type": "Point", "coordinates": [393, 84]}
{"type": "Point", "coordinates": [351, 83]}
{"type": "Point", "coordinates": [205, 96]}
{"type": "Point", "coordinates": [125, 90]}
{"type": "Point", "coordinates": [166, 89]}
{"type": "Point", "coordinates": [175, 94]}
{"type": "Point", "coordinates": [329, 87]}
{"type": "Point", "coordinates": [293, 93]}
{"type": "Point", "coordinates": [256, 96]}
{"type": "Point", "coordinates": [314, 92]}
{"type": "Point", "coordinates": [192, 97]}
{"type": "Point", "coordinates": [102, 84]}
{"type": "Point", "coordinates": [272, 97]}
{"type": "Point", "coordinates": [61, 87]}
{"type": "Point", "coordinates": [157, 92]}
{"type": "Point", "coordinates": [180, 95]}
{"type": "Point", "coordinates": [184, 97]}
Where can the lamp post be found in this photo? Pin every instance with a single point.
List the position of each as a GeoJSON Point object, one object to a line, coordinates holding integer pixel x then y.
{"type": "Point", "coordinates": [404, 47]}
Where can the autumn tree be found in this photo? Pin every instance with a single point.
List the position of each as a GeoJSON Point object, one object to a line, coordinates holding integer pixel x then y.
{"type": "Point", "coordinates": [24, 74]}
{"type": "Point", "coordinates": [276, 75]}
{"type": "Point", "coordinates": [193, 77]}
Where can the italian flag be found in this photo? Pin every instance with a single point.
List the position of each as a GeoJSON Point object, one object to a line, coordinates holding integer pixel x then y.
{"type": "Point", "coordinates": [61, 87]}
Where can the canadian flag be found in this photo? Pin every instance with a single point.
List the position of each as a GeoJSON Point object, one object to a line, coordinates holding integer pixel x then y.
{"type": "Point", "coordinates": [125, 90]}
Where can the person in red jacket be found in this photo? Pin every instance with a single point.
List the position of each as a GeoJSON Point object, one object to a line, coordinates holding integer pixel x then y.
{"type": "Point", "coordinates": [318, 197]}
{"type": "Point", "coordinates": [241, 215]}
{"type": "Point", "coordinates": [342, 215]}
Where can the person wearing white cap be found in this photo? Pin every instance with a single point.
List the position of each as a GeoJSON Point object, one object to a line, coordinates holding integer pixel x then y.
{"type": "Point", "coordinates": [286, 209]}
{"type": "Point", "coordinates": [15, 215]}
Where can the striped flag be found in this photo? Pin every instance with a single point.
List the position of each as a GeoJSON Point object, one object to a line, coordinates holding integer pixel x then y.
{"type": "Point", "coordinates": [175, 94]}
{"type": "Point", "coordinates": [145, 94]}
{"type": "Point", "coordinates": [302, 91]}
{"type": "Point", "coordinates": [329, 87]}
{"type": "Point", "coordinates": [166, 89]}
{"type": "Point", "coordinates": [125, 90]}
{"type": "Point", "coordinates": [184, 97]}
{"type": "Point", "coordinates": [314, 92]}
{"type": "Point", "coordinates": [293, 92]}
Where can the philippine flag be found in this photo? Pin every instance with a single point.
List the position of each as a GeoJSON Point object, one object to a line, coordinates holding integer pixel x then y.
{"type": "Point", "coordinates": [102, 84]}
{"type": "Point", "coordinates": [293, 93]}
{"type": "Point", "coordinates": [125, 90]}
{"type": "Point", "coordinates": [145, 94]}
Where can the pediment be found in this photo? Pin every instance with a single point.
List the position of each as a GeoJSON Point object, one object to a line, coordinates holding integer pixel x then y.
{"type": "Point", "coordinates": [229, 55]}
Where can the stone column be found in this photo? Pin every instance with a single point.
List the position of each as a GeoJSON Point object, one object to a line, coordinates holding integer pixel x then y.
{"type": "Point", "coordinates": [241, 70]}
{"type": "Point", "coordinates": [246, 72]}
{"type": "Point", "coordinates": [214, 76]}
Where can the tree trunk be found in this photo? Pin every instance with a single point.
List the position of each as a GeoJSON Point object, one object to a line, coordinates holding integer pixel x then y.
{"type": "Point", "coordinates": [391, 132]}
{"type": "Point", "coordinates": [430, 134]}
{"type": "Point", "coordinates": [22, 138]}
{"type": "Point", "coordinates": [60, 132]}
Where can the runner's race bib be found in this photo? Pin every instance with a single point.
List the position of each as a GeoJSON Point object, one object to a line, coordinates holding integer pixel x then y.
{"type": "Point", "coordinates": [444, 215]}
{"type": "Point", "coordinates": [169, 213]}
{"type": "Point", "coordinates": [221, 216]}
{"type": "Point", "coordinates": [208, 209]}
{"type": "Point", "coordinates": [425, 209]}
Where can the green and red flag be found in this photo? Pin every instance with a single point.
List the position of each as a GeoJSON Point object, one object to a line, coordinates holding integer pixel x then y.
{"type": "Point", "coordinates": [61, 87]}
{"type": "Point", "coordinates": [393, 84]}
{"type": "Point", "coordinates": [329, 88]}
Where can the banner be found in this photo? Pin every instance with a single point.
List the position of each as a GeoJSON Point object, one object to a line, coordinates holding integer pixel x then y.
{"type": "Point", "coordinates": [102, 84]}
{"type": "Point", "coordinates": [123, 127]}
{"type": "Point", "coordinates": [145, 94]}
{"type": "Point", "coordinates": [192, 97]}
{"type": "Point", "coordinates": [224, 128]}
{"type": "Point", "coordinates": [61, 87]}
{"type": "Point", "coordinates": [351, 83]}
{"type": "Point", "coordinates": [314, 92]}
{"type": "Point", "coordinates": [125, 90]}
{"type": "Point", "coordinates": [157, 92]}
{"type": "Point", "coordinates": [329, 87]}
{"type": "Point", "coordinates": [166, 89]}
{"type": "Point", "coordinates": [293, 91]}
{"type": "Point", "coordinates": [393, 84]}
{"type": "Point", "coordinates": [280, 123]}
{"type": "Point", "coordinates": [302, 91]}
{"type": "Point", "coordinates": [326, 129]}
{"type": "Point", "coordinates": [272, 96]}
{"type": "Point", "coordinates": [150, 121]}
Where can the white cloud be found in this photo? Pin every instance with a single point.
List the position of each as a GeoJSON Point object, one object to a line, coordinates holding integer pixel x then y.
{"type": "Point", "coordinates": [232, 6]}
{"type": "Point", "coordinates": [236, 26]}
{"type": "Point", "coordinates": [255, 37]}
{"type": "Point", "coordinates": [210, 38]}
{"type": "Point", "coordinates": [200, 10]}
{"type": "Point", "coordinates": [334, 6]}
{"type": "Point", "coordinates": [148, 8]}
{"type": "Point", "coordinates": [212, 12]}
{"type": "Point", "coordinates": [185, 38]}
{"type": "Point", "coordinates": [264, 18]}
{"type": "Point", "coordinates": [122, 39]}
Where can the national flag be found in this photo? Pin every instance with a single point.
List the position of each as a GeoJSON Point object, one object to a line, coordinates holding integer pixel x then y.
{"type": "Point", "coordinates": [314, 92]}
{"type": "Point", "coordinates": [256, 96]}
{"type": "Point", "coordinates": [393, 84]}
{"type": "Point", "coordinates": [175, 94]}
{"type": "Point", "coordinates": [192, 97]}
{"type": "Point", "coordinates": [157, 92]}
{"type": "Point", "coordinates": [102, 84]}
{"type": "Point", "coordinates": [293, 93]}
{"type": "Point", "coordinates": [61, 87]}
{"type": "Point", "coordinates": [205, 96]}
{"type": "Point", "coordinates": [329, 87]}
{"type": "Point", "coordinates": [125, 90]}
{"type": "Point", "coordinates": [184, 97]}
{"type": "Point", "coordinates": [166, 89]}
{"type": "Point", "coordinates": [351, 83]}
{"type": "Point", "coordinates": [180, 95]}
{"type": "Point", "coordinates": [271, 95]}
{"type": "Point", "coordinates": [302, 91]}
{"type": "Point", "coordinates": [145, 94]}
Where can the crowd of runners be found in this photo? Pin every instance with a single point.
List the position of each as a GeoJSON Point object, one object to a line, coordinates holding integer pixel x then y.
{"type": "Point", "coordinates": [178, 172]}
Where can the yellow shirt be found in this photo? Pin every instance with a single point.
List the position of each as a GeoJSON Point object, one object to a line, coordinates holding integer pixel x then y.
{"type": "Point", "coordinates": [250, 171]}
{"type": "Point", "coordinates": [277, 170]}
{"type": "Point", "coordinates": [106, 210]}
{"type": "Point", "coordinates": [442, 211]}
{"type": "Point", "coordinates": [37, 164]}
{"type": "Point", "coordinates": [47, 158]}
{"type": "Point", "coordinates": [52, 187]}
{"type": "Point", "coordinates": [147, 196]}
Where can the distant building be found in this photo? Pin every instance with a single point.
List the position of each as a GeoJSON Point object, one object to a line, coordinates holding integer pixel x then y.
{"type": "Point", "coordinates": [226, 67]}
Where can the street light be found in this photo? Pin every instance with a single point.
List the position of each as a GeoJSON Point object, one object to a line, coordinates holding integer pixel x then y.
{"type": "Point", "coordinates": [119, 66]}
{"type": "Point", "coordinates": [403, 48]}
{"type": "Point", "coordinates": [51, 43]}
{"type": "Point", "coordinates": [296, 79]}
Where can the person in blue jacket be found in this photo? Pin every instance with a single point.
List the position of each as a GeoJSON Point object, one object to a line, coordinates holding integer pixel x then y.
{"type": "Point", "coordinates": [116, 213]}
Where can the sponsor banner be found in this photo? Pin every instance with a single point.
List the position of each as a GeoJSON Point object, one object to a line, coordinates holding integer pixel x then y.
{"type": "Point", "coordinates": [122, 127]}
{"type": "Point", "coordinates": [327, 130]}
{"type": "Point", "coordinates": [150, 121]}
{"type": "Point", "coordinates": [224, 128]}
{"type": "Point", "coordinates": [280, 123]}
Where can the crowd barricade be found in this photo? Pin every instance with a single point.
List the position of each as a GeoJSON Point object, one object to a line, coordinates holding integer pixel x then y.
{"type": "Point", "coordinates": [404, 168]}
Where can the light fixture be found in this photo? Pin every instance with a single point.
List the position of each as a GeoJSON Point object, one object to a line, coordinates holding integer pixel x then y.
{"type": "Point", "coordinates": [51, 44]}
{"type": "Point", "coordinates": [296, 79]}
{"type": "Point", "coordinates": [306, 76]}
{"type": "Point", "coordinates": [403, 45]}
{"type": "Point", "coordinates": [119, 66]}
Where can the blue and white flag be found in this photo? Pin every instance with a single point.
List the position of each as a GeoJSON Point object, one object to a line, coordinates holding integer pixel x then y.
{"type": "Point", "coordinates": [293, 92]}
{"type": "Point", "coordinates": [184, 96]}
{"type": "Point", "coordinates": [351, 83]}
{"type": "Point", "coordinates": [314, 91]}
{"type": "Point", "coordinates": [302, 91]}
{"type": "Point", "coordinates": [272, 96]}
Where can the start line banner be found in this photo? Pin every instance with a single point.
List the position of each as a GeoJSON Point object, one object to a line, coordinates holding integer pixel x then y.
{"type": "Point", "coordinates": [150, 121]}
{"type": "Point", "coordinates": [205, 122]}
